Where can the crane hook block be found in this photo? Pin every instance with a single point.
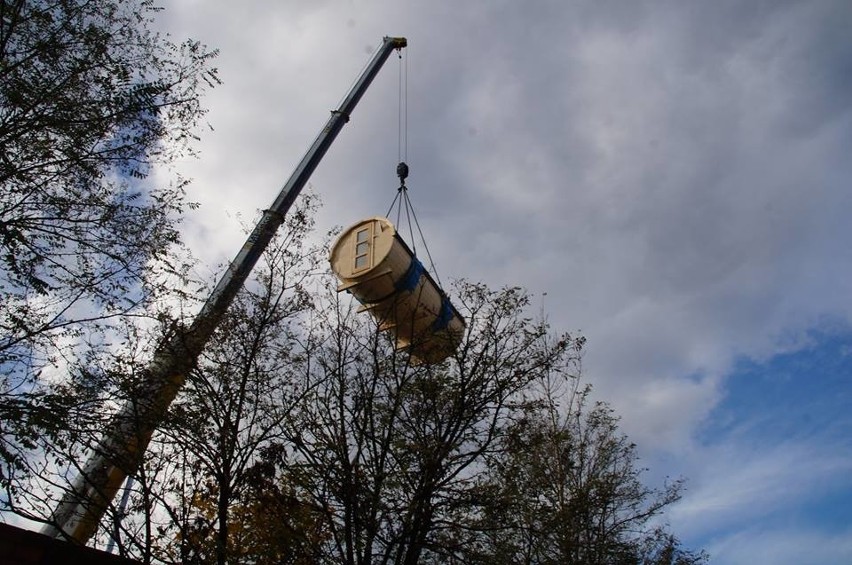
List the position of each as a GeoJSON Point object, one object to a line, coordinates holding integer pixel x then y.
{"type": "Point", "coordinates": [402, 172]}
{"type": "Point", "coordinates": [397, 42]}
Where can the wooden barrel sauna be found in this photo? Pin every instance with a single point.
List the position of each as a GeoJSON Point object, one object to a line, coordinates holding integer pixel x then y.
{"type": "Point", "coordinates": [373, 263]}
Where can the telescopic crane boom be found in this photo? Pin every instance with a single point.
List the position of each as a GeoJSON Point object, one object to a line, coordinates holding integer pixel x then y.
{"type": "Point", "coordinates": [121, 449]}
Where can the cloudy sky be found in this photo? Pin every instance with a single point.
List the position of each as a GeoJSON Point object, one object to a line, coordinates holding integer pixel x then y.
{"type": "Point", "coordinates": [670, 178]}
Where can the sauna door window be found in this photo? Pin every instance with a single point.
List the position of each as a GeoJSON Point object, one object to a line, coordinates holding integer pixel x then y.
{"type": "Point", "coordinates": [363, 245]}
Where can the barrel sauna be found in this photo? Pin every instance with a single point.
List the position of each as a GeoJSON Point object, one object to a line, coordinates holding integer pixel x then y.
{"type": "Point", "coordinates": [373, 263]}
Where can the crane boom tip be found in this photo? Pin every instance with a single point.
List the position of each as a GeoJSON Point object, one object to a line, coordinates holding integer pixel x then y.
{"type": "Point", "coordinates": [397, 42]}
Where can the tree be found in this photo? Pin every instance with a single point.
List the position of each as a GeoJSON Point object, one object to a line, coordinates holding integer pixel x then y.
{"type": "Point", "coordinates": [91, 100]}
{"type": "Point", "coordinates": [209, 484]}
{"type": "Point", "coordinates": [565, 487]}
{"type": "Point", "coordinates": [389, 451]}
{"type": "Point", "coordinates": [473, 459]}
{"type": "Point", "coordinates": [231, 413]}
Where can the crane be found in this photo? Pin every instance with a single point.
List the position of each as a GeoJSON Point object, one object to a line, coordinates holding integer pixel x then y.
{"type": "Point", "coordinates": [123, 445]}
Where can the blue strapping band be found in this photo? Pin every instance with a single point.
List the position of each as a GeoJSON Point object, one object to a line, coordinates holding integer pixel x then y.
{"type": "Point", "coordinates": [411, 278]}
{"type": "Point", "coordinates": [444, 317]}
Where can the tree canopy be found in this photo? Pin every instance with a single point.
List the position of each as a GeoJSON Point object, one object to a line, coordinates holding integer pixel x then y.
{"type": "Point", "coordinates": [92, 99]}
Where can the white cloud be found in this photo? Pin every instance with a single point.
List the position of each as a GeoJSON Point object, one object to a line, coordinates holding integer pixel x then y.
{"type": "Point", "coordinates": [747, 484]}
{"type": "Point", "coordinates": [783, 547]}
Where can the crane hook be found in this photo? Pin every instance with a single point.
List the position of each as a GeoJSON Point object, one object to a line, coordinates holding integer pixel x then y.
{"type": "Point", "coordinates": [402, 173]}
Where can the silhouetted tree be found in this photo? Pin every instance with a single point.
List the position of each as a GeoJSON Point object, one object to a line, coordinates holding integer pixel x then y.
{"type": "Point", "coordinates": [211, 476]}
{"type": "Point", "coordinates": [565, 487]}
{"type": "Point", "coordinates": [230, 416]}
{"type": "Point", "coordinates": [389, 449]}
{"type": "Point", "coordinates": [91, 100]}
